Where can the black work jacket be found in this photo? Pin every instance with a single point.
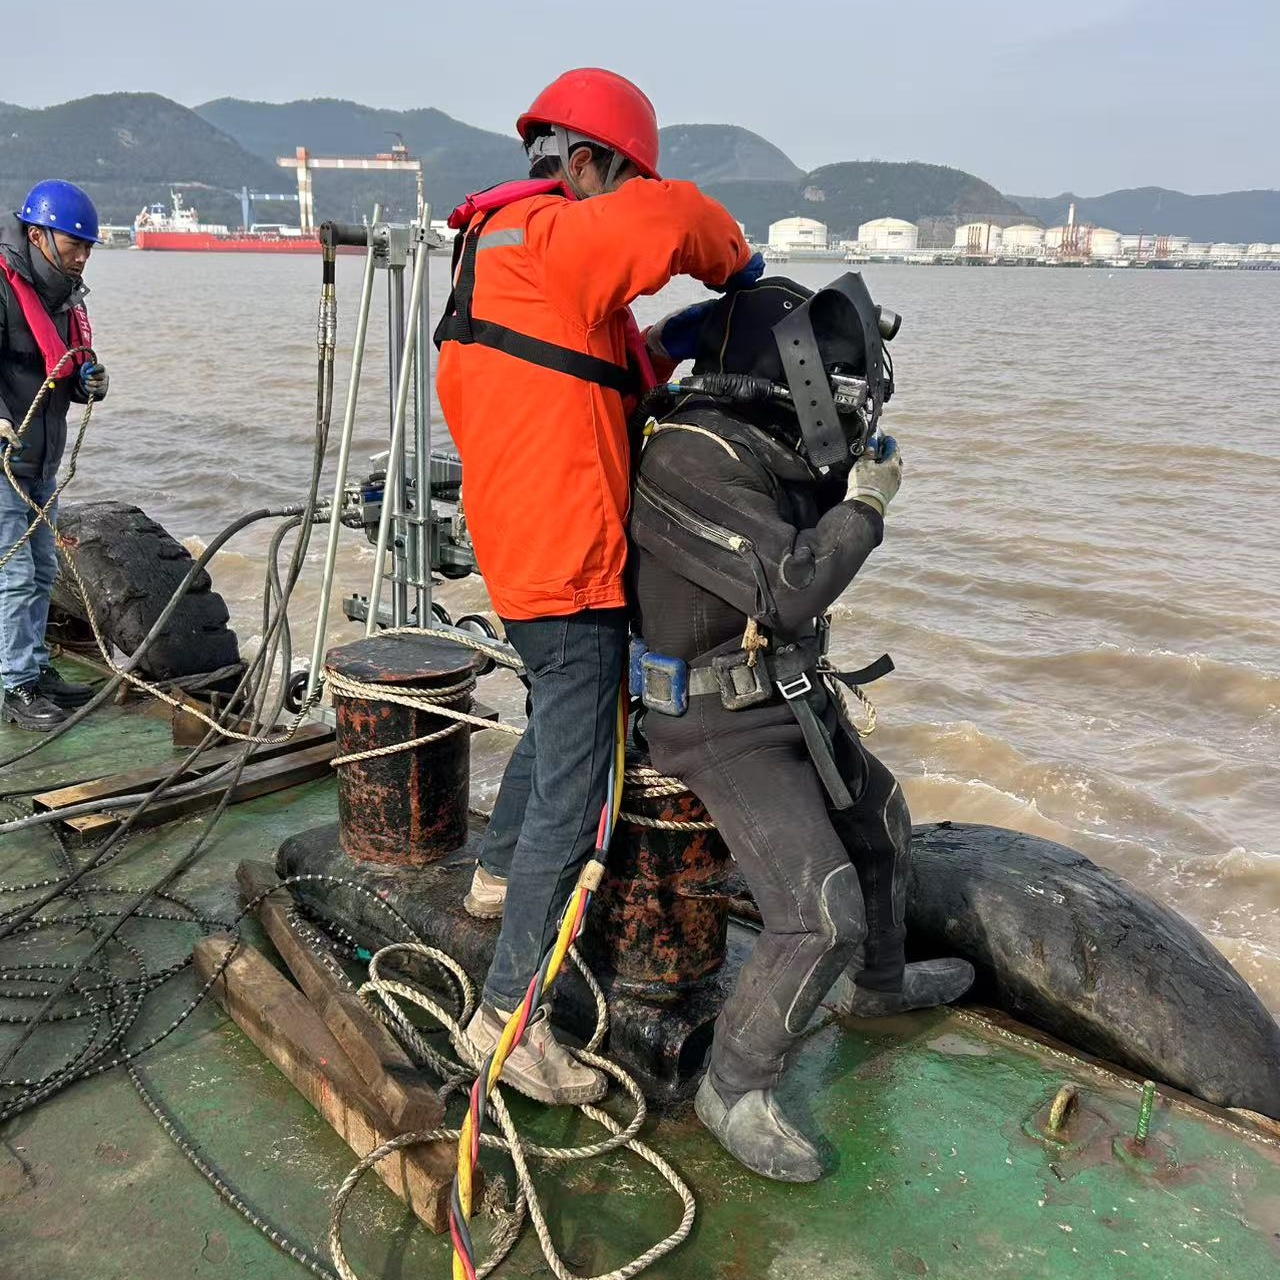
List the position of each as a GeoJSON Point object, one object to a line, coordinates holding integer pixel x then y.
{"type": "Point", "coordinates": [22, 371]}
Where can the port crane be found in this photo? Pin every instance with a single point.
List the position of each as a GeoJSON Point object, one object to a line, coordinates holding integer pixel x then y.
{"type": "Point", "coordinates": [397, 160]}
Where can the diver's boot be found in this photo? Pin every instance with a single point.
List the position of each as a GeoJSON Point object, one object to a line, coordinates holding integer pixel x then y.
{"type": "Point", "coordinates": [63, 693]}
{"type": "Point", "coordinates": [540, 1066]}
{"type": "Point", "coordinates": [754, 1131]}
{"type": "Point", "coordinates": [487, 895]}
{"type": "Point", "coordinates": [924, 984]}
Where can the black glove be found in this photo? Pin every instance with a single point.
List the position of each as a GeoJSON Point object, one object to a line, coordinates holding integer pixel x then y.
{"type": "Point", "coordinates": [94, 380]}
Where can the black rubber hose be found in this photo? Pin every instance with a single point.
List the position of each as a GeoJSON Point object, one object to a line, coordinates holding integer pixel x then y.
{"type": "Point", "coordinates": [25, 913]}
{"type": "Point", "coordinates": [179, 869]}
{"type": "Point", "coordinates": [107, 803]}
{"type": "Point", "coordinates": [344, 233]}
{"type": "Point", "coordinates": [158, 626]}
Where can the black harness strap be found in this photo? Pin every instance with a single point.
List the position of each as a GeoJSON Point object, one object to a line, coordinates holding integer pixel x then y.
{"type": "Point", "coordinates": [864, 675]}
{"type": "Point", "coordinates": [459, 325]}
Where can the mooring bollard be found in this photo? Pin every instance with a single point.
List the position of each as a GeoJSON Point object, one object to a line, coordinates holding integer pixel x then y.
{"type": "Point", "coordinates": [407, 807]}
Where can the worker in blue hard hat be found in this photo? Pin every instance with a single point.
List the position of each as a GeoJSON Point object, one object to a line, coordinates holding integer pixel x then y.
{"type": "Point", "coordinates": [44, 248]}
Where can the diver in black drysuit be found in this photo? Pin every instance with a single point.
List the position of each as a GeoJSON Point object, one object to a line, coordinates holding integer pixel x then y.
{"type": "Point", "coordinates": [830, 882]}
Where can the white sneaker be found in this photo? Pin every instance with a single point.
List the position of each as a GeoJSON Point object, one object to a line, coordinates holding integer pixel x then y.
{"type": "Point", "coordinates": [487, 895]}
{"type": "Point", "coordinates": [540, 1067]}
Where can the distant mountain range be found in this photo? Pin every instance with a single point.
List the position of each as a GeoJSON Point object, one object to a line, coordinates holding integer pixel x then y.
{"type": "Point", "coordinates": [128, 149]}
{"type": "Point", "coordinates": [1236, 216]}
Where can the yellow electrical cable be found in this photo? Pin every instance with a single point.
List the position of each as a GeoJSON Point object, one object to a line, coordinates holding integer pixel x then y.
{"type": "Point", "coordinates": [569, 923]}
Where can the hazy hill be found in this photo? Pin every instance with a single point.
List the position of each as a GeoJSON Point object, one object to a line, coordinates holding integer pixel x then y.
{"type": "Point", "coordinates": [846, 195]}
{"type": "Point", "coordinates": [755, 179]}
{"type": "Point", "coordinates": [125, 149]}
{"type": "Point", "coordinates": [456, 157]}
{"type": "Point", "coordinates": [1244, 216]}
{"type": "Point", "coordinates": [708, 153]}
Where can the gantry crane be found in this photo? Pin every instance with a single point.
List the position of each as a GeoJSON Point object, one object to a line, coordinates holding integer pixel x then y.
{"type": "Point", "coordinates": [397, 159]}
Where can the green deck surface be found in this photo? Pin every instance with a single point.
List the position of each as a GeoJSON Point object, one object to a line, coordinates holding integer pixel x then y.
{"type": "Point", "coordinates": [933, 1173]}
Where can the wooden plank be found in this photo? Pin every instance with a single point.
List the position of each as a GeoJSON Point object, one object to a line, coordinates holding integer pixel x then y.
{"type": "Point", "coordinates": [400, 1088]}
{"type": "Point", "coordinates": [278, 1018]}
{"type": "Point", "coordinates": [120, 784]}
{"type": "Point", "coordinates": [259, 778]}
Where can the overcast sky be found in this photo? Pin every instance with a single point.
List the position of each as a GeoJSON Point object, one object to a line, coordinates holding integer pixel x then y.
{"type": "Point", "coordinates": [1037, 98]}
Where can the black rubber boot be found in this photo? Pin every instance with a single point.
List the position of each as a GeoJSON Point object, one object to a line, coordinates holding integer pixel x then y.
{"type": "Point", "coordinates": [924, 985]}
{"type": "Point", "coordinates": [63, 693]}
{"type": "Point", "coordinates": [26, 708]}
{"type": "Point", "coordinates": [754, 1131]}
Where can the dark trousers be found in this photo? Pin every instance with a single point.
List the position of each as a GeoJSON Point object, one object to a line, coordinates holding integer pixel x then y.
{"type": "Point", "coordinates": [830, 884]}
{"type": "Point", "coordinates": [547, 813]}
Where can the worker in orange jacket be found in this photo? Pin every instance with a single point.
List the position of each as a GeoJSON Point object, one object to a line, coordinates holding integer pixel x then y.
{"type": "Point", "coordinates": [539, 360]}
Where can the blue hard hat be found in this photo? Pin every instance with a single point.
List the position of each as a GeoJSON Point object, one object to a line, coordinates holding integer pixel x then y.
{"type": "Point", "coordinates": [60, 206]}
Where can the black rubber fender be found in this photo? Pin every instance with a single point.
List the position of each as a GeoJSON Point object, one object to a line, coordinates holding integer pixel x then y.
{"type": "Point", "coordinates": [132, 566]}
{"type": "Point", "coordinates": [1075, 950]}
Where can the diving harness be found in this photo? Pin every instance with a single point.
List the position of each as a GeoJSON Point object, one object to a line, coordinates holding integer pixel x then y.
{"type": "Point", "coordinates": [838, 417]}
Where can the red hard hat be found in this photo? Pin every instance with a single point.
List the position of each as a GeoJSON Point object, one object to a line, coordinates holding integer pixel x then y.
{"type": "Point", "coordinates": [604, 106]}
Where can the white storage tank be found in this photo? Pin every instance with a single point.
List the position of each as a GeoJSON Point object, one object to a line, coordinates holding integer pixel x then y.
{"type": "Point", "coordinates": [1178, 244]}
{"type": "Point", "coordinates": [1054, 236]}
{"type": "Point", "coordinates": [1023, 238]}
{"type": "Point", "coordinates": [978, 237]}
{"type": "Point", "coordinates": [798, 234]}
{"type": "Point", "coordinates": [882, 235]}
{"type": "Point", "coordinates": [1258, 250]}
{"type": "Point", "coordinates": [1224, 250]}
{"type": "Point", "coordinates": [1198, 250]}
{"type": "Point", "coordinates": [1104, 243]}
{"type": "Point", "coordinates": [1143, 243]}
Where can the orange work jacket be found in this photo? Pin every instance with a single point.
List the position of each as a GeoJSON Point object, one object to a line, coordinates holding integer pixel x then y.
{"type": "Point", "coordinates": [545, 457]}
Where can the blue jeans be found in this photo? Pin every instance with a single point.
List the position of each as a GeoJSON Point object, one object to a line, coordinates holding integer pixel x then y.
{"type": "Point", "coordinates": [547, 812]}
{"type": "Point", "coordinates": [26, 582]}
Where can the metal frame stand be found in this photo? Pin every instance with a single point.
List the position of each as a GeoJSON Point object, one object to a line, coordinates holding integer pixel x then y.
{"type": "Point", "coordinates": [419, 530]}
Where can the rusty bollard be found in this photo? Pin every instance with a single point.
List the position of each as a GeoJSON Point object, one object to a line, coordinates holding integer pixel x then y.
{"type": "Point", "coordinates": [408, 808]}
{"type": "Point", "coordinates": [660, 919]}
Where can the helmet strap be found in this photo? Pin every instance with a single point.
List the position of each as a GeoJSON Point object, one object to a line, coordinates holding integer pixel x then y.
{"type": "Point", "coordinates": [616, 161]}
{"type": "Point", "coordinates": [564, 150]}
{"type": "Point", "coordinates": [49, 246]}
{"type": "Point", "coordinates": [53, 249]}
{"type": "Point", "coordinates": [567, 144]}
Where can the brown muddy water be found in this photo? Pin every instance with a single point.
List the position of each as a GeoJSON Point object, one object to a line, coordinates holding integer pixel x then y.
{"type": "Point", "coordinates": [1080, 582]}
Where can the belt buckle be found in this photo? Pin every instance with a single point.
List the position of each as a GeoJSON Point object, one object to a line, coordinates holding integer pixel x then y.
{"type": "Point", "coordinates": [797, 688]}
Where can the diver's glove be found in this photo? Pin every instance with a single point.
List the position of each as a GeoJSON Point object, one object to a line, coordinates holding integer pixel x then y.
{"type": "Point", "coordinates": [675, 336]}
{"type": "Point", "coordinates": [744, 277]}
{"type": "Point", "coordinates": [876, 475]}
{"type": "Point", "coordinates": [94, 380]}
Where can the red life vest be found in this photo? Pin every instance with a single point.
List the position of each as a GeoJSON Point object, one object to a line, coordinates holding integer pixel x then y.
{"type": "Point", "coordinates": [458, 325]}
{"type": "Point", "coordinates": [45, 332]}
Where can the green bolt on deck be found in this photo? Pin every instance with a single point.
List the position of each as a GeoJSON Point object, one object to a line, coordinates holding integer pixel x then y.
{"type": "Point", "coordinates": [1065, 1102]}
{"type": "Point", "coordinates": [1144, 1112]}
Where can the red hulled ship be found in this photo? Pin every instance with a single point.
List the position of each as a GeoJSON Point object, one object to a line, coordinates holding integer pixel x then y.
{"type": "Point", "coordinates": [180, 229]}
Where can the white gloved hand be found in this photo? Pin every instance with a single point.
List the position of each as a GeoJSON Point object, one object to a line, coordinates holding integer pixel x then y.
{"type": "Point", "coordinates": [8, 432]}
{"type": "Point", "coordinates": [876, 475]}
